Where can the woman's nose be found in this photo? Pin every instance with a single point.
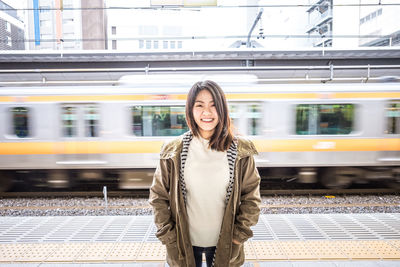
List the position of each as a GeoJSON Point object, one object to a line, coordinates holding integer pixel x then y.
{"type": "Point", "coordinates": [207, 111]}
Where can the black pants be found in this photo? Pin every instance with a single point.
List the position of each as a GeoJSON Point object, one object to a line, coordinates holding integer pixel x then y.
{"type": "Point", "coordinates": [198, 255]}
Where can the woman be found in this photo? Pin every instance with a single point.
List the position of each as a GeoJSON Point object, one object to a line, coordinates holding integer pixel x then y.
{"type": "Point", "coordinates": [205, 192]}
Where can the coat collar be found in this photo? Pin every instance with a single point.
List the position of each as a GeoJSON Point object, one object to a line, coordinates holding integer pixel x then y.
{"type": "Point", "coordinates": [173, 148]}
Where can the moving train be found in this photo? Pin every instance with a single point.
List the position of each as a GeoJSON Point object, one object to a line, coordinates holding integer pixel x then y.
{"type": "Point", "coordinates": [335, 134]}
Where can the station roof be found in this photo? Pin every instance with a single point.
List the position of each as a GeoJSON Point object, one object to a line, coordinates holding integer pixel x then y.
{"type": "Point", "coordinates": [107, 67]}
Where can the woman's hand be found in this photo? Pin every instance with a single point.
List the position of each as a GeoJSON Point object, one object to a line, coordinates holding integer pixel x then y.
{"type": "Point", "coordinates": [234, 241]}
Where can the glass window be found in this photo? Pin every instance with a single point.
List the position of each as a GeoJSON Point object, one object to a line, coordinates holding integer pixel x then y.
{"type": "Point", "coordinates": [165, 44]}
{"type": "Point", "coordinates": [324, 119]}
{"type": "Point", "coordinates": [393, 118]}
{"type": "Point", "coordinates": [234, 114]}
{"type": "Point", "coordinates": [155, 44]}
{"type": "Point", "coordinates": [158, 120]}
{"type": "Point", "coordinates": [91, 121]}
{"type": "Point", "coordinates": [20, 117]}
{"type": "Point", "coordinates": [148, 44]}
{"type": "Point", "coordinates": [69, 128]}
{"type": "Point", "coordinates": [113, 29]}
{"type": "Point", "coordinates": [254, 119]}
{"type": "Point", "coordinates": [141, 43]}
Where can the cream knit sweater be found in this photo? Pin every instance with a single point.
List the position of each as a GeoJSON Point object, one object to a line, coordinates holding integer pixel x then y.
{"type": "Point", "coordinates": [206, 177]}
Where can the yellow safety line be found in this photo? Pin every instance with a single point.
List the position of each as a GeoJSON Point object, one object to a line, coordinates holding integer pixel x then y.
{"type": "Point", "coordinates": [271, 250]}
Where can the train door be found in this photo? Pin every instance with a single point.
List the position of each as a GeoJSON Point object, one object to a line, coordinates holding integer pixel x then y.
{"type": "Point", "coordinates": [80, 130]}
{"type": "Point", "coordinates": [391, 149]}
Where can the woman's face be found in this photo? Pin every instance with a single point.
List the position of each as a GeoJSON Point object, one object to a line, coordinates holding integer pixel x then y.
{"type": "Point", "coordinates": [204, 113]}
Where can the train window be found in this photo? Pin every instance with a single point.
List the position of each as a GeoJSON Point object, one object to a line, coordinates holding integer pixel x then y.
{"type": "Point", "coordinates": [69, 121]}
{"type": "Point", "coordinates": [393, 118]}
{"type": "Point", "coordinates": [91, 121]}
{"type": "Point", "coordinates": [323, 119]}
{"type": "Point", "coordinates": [234, 114]}
{"type": "Point", "coordinates": [158, 120]}
{"type": "Point", "coordinates": [254, 119]}
{"type": "Point", "coordinates": [20, 121]}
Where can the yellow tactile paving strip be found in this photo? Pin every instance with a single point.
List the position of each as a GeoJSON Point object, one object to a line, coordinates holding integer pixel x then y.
{"type": "Point", "coordinates": [273, 250]}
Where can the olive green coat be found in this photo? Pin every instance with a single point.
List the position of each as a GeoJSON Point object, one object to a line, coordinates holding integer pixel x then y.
{"type": "Point", "coordinates": [170, 215]}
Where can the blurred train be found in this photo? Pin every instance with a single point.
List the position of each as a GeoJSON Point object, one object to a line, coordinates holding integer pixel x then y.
{"type": "Point", "coordinates": [61, 137]}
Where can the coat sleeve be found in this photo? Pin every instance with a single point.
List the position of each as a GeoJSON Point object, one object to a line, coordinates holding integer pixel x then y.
{"type": "Point", "coordinates": [249, 208]}
{"type": "Point", "coordinates": [160, 201]}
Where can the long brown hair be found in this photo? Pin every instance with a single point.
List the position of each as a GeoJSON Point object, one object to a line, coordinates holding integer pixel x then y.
{"type": "Point", "coordinates": [222, 136]}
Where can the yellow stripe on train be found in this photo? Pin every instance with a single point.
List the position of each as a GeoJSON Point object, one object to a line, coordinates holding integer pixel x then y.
{"type": "Point", "coordinates": [137, 147]}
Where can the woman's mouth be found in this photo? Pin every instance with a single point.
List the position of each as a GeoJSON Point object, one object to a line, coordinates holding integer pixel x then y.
{"type": "Point", "coordinates": [207, 120]}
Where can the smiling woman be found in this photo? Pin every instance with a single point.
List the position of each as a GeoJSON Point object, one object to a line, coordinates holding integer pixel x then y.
{"type": "Point", "coordinates": [205, 192]}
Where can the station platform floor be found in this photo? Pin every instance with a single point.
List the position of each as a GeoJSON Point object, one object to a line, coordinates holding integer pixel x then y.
{"type": "Point", "coordinates": [279, 240]}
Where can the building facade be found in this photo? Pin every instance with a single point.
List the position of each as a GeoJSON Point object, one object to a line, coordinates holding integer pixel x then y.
{"type": "Point", "coordinates": [11, 28]}
{"type": "Point", "coordinates": [66, 24]}
{"type": "Point", "coordinates": [380, 25]}
{"type": "Point", "coordinates": [153, 28]}
{"type": "Point", "coordinates": [352, 23]}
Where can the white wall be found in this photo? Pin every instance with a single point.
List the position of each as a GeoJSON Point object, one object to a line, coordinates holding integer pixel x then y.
{"type": "Point", "coordinates": [346, 21]}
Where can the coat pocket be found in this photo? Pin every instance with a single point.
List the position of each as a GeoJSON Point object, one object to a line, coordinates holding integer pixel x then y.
{"type": "Point", "coordinates": [237, 255]}
{"type": "Point", "coordinates": [172, 255]}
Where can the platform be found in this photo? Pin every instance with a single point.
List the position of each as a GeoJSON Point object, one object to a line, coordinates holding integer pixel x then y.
{"type": "Point", "coordinates": [281, 240]}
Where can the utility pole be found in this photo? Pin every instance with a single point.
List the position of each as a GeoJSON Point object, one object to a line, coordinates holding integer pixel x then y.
{"type": "Point", "coordinates": [248, 44]}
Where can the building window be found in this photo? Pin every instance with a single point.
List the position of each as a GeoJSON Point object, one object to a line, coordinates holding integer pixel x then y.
{"type": "Point", "coordinates": [324, 119]}
{"type": "Point", "coordinates": [155, 44]}
{"type": "Point", "coordinates": [158, 120]}
{"type": "Point", "coordinates": [114, 44]}
{"type": "Point", "coordinates": [179, 44]}
{"type": "Point", "coordinates": [8, 26]}
{"type": "Point", "coordinates": [371, 16]}
{"type": "Point", "coordinates": [165, 44]}
{"type": "Point", "coordinates": [113, 30]}
{"type": "Point", "coordinates": [9, 43]}
{"type": "Point", "coordinates": [148, 44]}
{"type": "Point", "coordinates": [141, 44]}
{"type": "Point", "coordinates": [20, 117]}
